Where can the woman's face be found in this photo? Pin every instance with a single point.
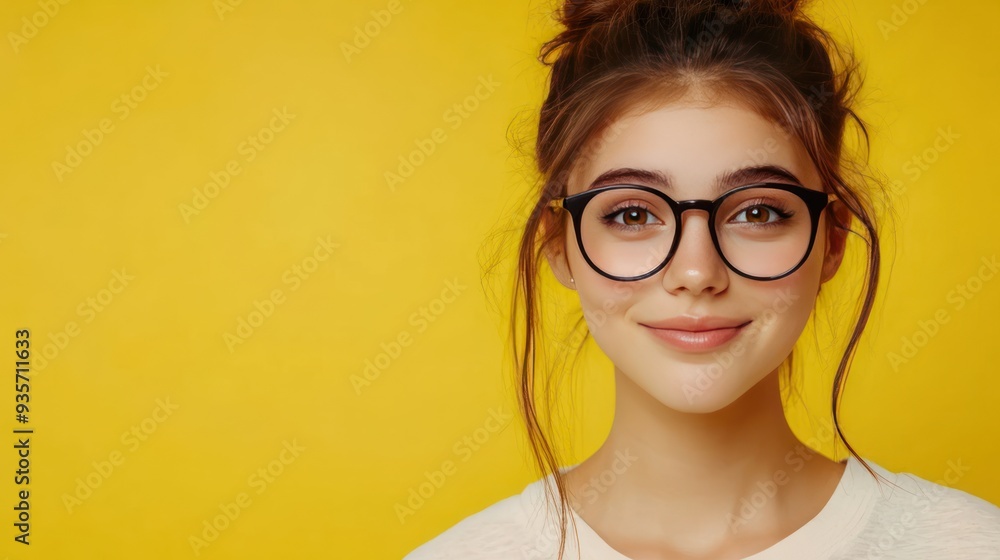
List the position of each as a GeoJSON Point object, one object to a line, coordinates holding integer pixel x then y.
{"type": "Point", "coordinates": [694, 146]}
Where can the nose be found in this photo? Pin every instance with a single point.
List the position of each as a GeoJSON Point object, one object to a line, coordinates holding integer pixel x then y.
{"type": "Point", "coordinates": [696, 266]}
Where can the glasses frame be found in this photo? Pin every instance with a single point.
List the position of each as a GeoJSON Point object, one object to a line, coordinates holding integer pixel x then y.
{"type": "Point", "coordinates": [815, 200]}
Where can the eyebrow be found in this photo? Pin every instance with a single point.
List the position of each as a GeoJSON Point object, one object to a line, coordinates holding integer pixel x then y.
{"type": "Point", "coordinates": [723, 183]}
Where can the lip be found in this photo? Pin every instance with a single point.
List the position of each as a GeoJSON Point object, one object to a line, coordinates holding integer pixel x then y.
{"type": "Point", "coordinates": [696, 333]}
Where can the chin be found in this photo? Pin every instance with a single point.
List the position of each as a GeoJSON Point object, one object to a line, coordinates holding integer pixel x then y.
{"type": "Point", "coordinates": [694, 392]}
{"type": "Point", "coordinates": [696, 382]}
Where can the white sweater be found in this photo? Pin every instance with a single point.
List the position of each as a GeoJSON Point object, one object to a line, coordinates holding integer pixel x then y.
{"type": "Point", "coordinates": [862, 520]}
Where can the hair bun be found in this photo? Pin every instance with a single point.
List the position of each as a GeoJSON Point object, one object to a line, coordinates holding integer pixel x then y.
{"type": "Point", "coordinates": [590, 26]}
{"type": "Point", "coordinates": [579, 16]}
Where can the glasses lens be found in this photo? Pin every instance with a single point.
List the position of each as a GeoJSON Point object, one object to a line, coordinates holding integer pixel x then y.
{"type": "Point", "coordinates": [627, 232]}
{"type": "Point", "coordinates": [763, 231]}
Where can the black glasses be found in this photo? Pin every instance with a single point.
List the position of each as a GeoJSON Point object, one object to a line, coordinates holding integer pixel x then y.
{"type": "Point", "coordinates": [762, 231]}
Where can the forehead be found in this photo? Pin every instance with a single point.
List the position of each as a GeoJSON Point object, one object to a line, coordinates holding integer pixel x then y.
{"type": "Point", "coordinates": [692, 143]}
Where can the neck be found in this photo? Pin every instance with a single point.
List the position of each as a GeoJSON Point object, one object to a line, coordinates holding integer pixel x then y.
{"type": "Point", "coordinates": [752, 431]}
{"type": "Point", "coordinates": [696, 472]}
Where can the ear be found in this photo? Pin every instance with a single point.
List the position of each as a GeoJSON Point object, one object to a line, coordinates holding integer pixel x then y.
{"type": "Point", "coordinates": [555, 251]}
{"type": "Point", "coordinates": [836, 239]}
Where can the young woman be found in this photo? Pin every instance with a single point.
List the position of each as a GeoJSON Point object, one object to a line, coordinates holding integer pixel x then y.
{"type": "Point", "coordinates": [697, 196]}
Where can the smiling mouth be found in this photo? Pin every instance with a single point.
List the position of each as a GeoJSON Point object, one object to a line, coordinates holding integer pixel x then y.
{"type": "Point", "coordinates": [697, 340]}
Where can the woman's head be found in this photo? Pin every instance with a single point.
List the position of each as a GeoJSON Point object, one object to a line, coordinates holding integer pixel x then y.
{"type": "Point", "coordinates": [693, 91]}
{"type": "Point", "coordinates": [696, 148]}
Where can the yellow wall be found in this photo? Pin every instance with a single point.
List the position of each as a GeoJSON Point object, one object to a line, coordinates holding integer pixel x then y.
{"type": "Point", "coordinates": [172, 169]}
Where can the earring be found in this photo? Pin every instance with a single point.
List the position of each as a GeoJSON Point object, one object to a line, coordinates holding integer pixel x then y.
{"type": "Point", "coordinates": [571, 281]}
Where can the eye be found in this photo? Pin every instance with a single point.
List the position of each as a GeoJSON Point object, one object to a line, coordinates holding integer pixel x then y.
{"type": "Point", "coordinates": [758, 214]}
{"type": "Point", "coordinates": [632, 215]}
{"type": "Point", "coordinates": [763, 214]}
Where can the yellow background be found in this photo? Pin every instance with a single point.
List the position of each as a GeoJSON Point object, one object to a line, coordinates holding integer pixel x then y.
{"type": "Point", "coordinates": [320, 174]}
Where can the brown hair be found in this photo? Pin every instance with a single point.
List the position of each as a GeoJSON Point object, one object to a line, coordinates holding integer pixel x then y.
{"type": "Point", "coordinates": [612, 55]}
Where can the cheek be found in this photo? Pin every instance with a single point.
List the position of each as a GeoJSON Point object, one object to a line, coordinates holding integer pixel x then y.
{"type": "Point", "coordinates": [782, 311]}
{"type": "Point", "coordinates": [787, 303]}
{"type": "Point", "coordinates": [603, 300]}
